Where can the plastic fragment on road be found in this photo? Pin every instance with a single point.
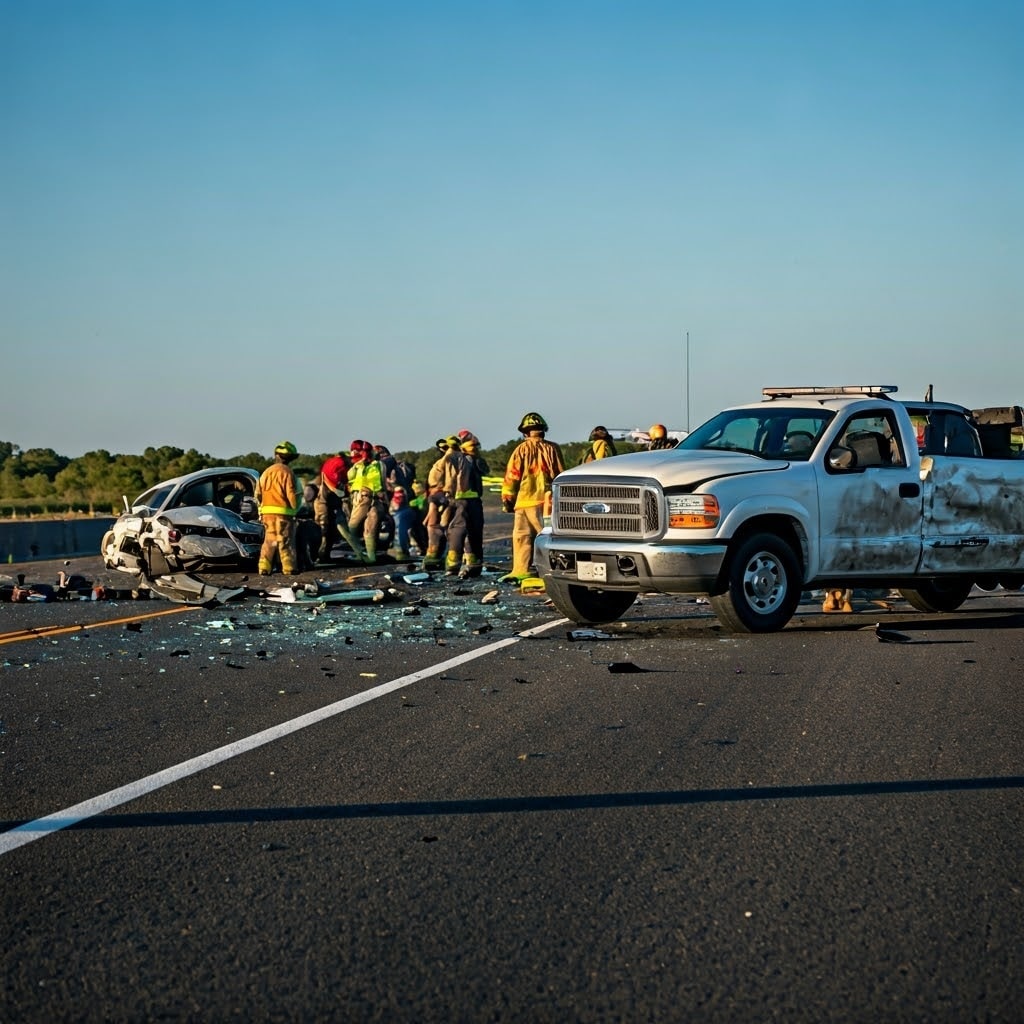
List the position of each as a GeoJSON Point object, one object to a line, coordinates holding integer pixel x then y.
{"type": "Point", "coordinates": [184, 588]}
{"type": "Point", "coordinates": [416, 578]}
{"type": "Point", "coordinates": [287, 595]}
{"type": "Point", "coordinates": [588, 634]}
{"type": "Point", "coordinates": [491, 597]}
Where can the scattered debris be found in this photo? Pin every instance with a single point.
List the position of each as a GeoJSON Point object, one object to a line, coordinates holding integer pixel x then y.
{"type": "Point", "coordinates": [626, 666]}
{"type": "Point", "coordinates": [184, 588]}
{"type": "Point", "coordinates": [890, 636]}
{"type": "Point", "coordinates": [288, 595]}
{"type": "Point", "coordinates": [491, 597]}
{"type": "Point", "coordinates": [588, 634]}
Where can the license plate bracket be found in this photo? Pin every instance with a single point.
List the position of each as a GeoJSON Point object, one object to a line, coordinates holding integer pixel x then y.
{"type": "Point", "coordinates": [592, 572]}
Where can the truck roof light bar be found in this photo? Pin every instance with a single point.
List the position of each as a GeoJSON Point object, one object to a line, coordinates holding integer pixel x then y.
{"type": "Point", "coordinates": [768, 394]}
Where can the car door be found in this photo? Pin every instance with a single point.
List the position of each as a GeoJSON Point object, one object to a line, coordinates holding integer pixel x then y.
{"type": "Point", "coordinates": [869, 502]}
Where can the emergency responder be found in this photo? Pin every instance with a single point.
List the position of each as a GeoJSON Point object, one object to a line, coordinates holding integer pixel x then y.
{"type": "Point", "coordinates": [601, 446]}
{"type": "Point", "coordinates": [526, 490]}
{"type": "Point", "coordinates": [437, 516]}
{"type": "Point", "coordinates": [658, 438]}
{"type": "Point", "coordinates": [277, 496]}
{"type": "Point", "coordinates": [464, 469]}
{"type": "Point", "coordinates": [328, 505]}
{"type": "Point", "coordinates": [366, 492]}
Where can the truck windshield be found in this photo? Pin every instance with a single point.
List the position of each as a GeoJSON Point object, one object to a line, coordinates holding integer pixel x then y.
{"type": "Point", "coordinates": [769, 433]}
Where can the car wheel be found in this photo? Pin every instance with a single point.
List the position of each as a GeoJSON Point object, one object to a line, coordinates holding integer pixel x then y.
{"type": "Point", "coordinates": [107, 549]}
{"type": "Point", "coordinates": [939, 596]}
{"type": "Point", "coordinates": [762, 586]}
{"type": "Point", "coordinates": [580, 604]}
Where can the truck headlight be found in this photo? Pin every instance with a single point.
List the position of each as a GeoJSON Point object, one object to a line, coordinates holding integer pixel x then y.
{"type": "Point", "coordinates": [693, 511]}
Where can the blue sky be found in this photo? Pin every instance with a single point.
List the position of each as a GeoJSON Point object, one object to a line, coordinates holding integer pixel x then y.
{"type": "Point", "coordinates": [228, 223]}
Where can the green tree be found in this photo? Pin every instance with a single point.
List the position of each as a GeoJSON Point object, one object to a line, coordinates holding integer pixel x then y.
{"type": "Point", "coordinates": [40, 487]}
{"type": "Point", "coordinates": [87, 479]}
{"type": "Point", "coordinates": [41, 460]}
{"type": "Point", "coordinates": [11, 485]}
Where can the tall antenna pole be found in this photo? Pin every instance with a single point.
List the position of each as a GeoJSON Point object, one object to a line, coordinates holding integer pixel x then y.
{"type": "Point", "coordinates": [687, 381]}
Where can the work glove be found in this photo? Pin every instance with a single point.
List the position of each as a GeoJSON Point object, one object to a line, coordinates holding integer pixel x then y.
{"type": "Point", "coordinates": [508, 505]}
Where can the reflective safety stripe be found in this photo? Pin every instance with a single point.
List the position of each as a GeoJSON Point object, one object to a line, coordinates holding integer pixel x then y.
{"type": "Point", "coordinates": [277, 510]}
{"type": "Point", "coordinates": [466, 494]}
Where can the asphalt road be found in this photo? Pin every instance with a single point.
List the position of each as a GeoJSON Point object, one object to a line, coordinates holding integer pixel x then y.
{"type": "Point", "coordinates": [268, 812]}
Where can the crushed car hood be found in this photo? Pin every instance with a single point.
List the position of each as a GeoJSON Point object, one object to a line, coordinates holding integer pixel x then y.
{"type": "Point", "coordinates": [209, 516]}
{"type": "Point", "coordinates": [675, 468]}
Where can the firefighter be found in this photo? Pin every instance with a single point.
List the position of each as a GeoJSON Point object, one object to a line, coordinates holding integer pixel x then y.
{"type": "Point", "coordinates": [328, 505]}
{"type": "Point", "coordinates": [277, 495]}
{"type": "Point", "coordinates": [601, 446]}
{"type": "Point", "coordinates": [526, 490]}
{"type": "Point", "coordinates": [465, 469]}
{"type": "Point", "coordinates": [437, 516]}
{"type": "Point", "coordinates": [366, 491]}
{"type": "Point", "coordinates": [658, 438]}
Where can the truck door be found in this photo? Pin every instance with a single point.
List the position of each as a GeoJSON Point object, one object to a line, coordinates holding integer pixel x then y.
{"type": "Point", "coordinates": [972, 514]}
{"type": "Point", "coordinates": [869, 502]}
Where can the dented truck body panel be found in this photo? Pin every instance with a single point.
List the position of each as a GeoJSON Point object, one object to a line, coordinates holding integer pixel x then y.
{"type": "Point", "coordinates": [855, 504]}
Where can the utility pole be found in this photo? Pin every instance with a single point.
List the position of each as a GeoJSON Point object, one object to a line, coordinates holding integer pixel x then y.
{"type": "Point", "coordinates": [687, 381]}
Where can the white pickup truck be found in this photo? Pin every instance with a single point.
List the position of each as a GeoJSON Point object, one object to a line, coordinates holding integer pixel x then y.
{"type": "Point", "coordinates": [812, 487]}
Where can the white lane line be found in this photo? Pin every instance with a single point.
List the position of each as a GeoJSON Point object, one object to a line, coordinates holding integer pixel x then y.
{"type": "Point", "coordinates": [32, 830]}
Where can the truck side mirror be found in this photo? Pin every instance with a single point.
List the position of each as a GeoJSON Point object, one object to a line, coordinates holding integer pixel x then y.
{"type": "Point", "coordinates": [841, 458]}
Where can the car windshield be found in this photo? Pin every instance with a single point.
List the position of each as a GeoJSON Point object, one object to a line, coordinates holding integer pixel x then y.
{"type": "Point", "coordinates": [769, 433]}
{"type": "Point", "coordinates": [151, 500]}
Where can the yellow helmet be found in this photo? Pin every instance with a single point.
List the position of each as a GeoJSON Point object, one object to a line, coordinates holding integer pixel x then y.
{"type": "Point", "coordinates": [532, 421]}
{"type": "Point", "coordinates": [657, 431]}
{"type": "Point", "coordinates": [287, 451]}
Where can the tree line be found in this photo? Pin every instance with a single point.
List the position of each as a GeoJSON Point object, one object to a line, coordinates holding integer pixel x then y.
{"type": "Point", "coordinates": [39, 481]}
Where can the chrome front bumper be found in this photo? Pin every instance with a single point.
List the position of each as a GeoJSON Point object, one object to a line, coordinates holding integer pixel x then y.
{"type": "Point", "coordinates": [621, 565]}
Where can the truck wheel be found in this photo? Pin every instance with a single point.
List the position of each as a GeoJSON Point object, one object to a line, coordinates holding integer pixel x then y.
{"type": "Point", "coordinates": [938, 597]}
{"type": "Point", "coordinates": [762, 586]}
{"type": "Point", "coordinates": [589, 606]}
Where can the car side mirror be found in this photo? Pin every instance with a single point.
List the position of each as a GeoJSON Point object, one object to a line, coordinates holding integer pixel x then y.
{"type": "Point", "coordinates": [842, 458]}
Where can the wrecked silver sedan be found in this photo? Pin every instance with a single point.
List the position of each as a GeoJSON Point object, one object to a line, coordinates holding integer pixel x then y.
{"type": "Point", "coordinates": [201, 520]}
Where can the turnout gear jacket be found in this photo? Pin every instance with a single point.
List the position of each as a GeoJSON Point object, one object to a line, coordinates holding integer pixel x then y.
{"type": "Point", "coordinates": [533, 464]}
{"type": "Point", "coordinates": [366, 476]}
{"type": "Point", "coordinates": [277, 491]}
{"type": "Point", "coordinates": [463, 475]}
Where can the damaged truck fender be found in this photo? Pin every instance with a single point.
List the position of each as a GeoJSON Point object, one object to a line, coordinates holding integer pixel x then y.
{"type": "Point", "coordinates": [810, 487]}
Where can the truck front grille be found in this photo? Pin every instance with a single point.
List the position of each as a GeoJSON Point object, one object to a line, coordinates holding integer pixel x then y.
{"type": "Point", "coordinates": [607, 510]}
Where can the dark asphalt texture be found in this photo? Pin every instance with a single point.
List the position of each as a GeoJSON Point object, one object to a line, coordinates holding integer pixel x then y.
{"type": "Point", "coordinates": [671, 824]}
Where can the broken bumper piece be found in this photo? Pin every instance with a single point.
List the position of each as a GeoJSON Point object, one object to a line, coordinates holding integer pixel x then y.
{"type": "Point", "coordinates": [183, 588]}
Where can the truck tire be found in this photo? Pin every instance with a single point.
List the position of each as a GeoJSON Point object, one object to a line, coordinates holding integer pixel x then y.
{"type": "Point", "coordinates": [589, 607]}
{"type": "Point", "coordinates": [944, 596]}
{"type": "Point", "coordinates": [762, 586]}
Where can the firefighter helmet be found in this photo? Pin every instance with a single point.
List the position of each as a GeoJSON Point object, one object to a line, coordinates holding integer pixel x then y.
{"type": "Point", "coordinates": [532, 421]}
{"type": "Point", "coordinates": [657, 432]}
{"type": "Point", "coordinates": [287, 451]}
